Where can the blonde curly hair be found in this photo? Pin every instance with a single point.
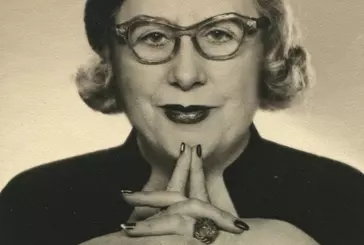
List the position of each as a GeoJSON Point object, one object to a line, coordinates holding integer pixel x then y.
{"type": "Point", "coordinates": [285, 76]}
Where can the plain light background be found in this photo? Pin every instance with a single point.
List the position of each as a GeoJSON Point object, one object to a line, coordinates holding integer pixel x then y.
{"type": "Point", "coordinates": [42, 118]}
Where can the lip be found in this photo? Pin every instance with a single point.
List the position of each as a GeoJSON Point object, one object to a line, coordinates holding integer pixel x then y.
{"type": "Point", "coordinates": [186, 114]}
{"type": "Point", "coordinates": [178, 107]}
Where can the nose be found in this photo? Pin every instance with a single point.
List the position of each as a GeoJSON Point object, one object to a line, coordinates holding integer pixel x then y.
{"type": "Point", "coordinates": [186, 73]}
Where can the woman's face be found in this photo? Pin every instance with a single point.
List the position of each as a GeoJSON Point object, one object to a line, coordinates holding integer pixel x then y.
{"type": "Point", "coordinates": [229, 86]}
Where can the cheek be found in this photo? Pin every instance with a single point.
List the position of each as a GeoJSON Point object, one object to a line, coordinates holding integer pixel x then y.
{"type": "Point", "coordinates": [238, 79]}
{"type": "Point", "coordinates": [137, 82]}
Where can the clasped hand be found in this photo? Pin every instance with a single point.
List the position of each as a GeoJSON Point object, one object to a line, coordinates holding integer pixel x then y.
{"type": "Point", "coordinates": [174, 223]}
{"type": "Point", "coordinates": [179, 212]}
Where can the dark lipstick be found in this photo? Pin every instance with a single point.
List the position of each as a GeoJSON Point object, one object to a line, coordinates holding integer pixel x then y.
{"type": "Point", "coordinates": [186, 114]}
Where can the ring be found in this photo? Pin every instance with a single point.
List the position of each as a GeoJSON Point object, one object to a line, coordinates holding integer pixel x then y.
{"type": "Point", "coordinates": [205, 230]}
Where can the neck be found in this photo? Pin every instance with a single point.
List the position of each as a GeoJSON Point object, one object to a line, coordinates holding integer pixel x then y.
{"type": "Point", "coordinates": [162, 165]}
{"type": "Point", "coordinates": [222, 158]}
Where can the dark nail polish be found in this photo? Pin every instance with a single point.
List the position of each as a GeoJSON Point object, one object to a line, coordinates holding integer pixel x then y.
{"type": "Point", "coordinates": [182, 148]}
{"type": "Point", "coordinates": [241, 225]}
{"type": "Point", "coordinates": [199, 150]}
{"type": "Point", "coordinates": [128, 226]}
{"type": "Point", "coordinates": [126, 192]}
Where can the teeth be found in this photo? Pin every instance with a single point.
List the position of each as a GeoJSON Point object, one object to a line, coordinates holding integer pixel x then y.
{"type": "Point", "coordinates": [189, 115]}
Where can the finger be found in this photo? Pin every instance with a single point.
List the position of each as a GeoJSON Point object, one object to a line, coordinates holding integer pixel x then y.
{"type": "Point", "coordinates": [181, 170]}
{"type": "Point", "coordinates": [155, 199]}
{"type": "Point", "coordinates": [198, 209]}
{"type": "Point", "coordinates": [197, 176]}
{"type": "Point", "coordinates": [164, 225]}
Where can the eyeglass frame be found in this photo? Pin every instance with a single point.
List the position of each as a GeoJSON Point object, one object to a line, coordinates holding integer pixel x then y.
{"type": "Point", "coordinates": [250, 23]}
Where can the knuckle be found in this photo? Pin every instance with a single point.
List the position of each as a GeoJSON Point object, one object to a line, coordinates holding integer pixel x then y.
{"type": "Point", "coordinates": [194, 204]}
{"type": "Point", "coordinates": [178, 196]}
{"type": "Point", "coordinates": [181, 224]}
{"type": "Point", "coordinates": [179, 206]}
{"type": "Point", "coordinates": [179, 220]}
{"type": "Point", "coordinates": [146, 194]}
{"type": "Point", "coordinates": [224, 215]}
{"type": "Point", "coordinates": [149, 225]}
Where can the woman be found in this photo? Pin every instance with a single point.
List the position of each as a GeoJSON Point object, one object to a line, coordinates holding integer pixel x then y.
{"type": "Point", "coordinates": [190, 78]}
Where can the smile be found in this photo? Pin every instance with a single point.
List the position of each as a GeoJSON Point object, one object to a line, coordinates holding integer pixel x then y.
{"type": "Point", "coordinates": [186, 115]}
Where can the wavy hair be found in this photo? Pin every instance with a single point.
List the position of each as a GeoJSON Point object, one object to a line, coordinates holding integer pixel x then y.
{"type": "Point", "coordinates": [285, 76]}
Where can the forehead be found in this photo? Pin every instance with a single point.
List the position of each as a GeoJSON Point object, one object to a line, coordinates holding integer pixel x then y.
{"type": "Point", "coordinates": [184, 12]}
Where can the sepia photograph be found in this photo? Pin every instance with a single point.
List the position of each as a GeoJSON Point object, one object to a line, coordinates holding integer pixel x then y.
{"type": "Point", "coordinates": [186, 122]}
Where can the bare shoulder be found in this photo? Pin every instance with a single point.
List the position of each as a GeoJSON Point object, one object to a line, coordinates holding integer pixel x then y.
{"type": "Point", "coordinates": [277, 233]}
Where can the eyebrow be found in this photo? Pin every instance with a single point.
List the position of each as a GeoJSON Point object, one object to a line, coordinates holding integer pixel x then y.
{"type": "Point", "coordinates": [172, 22]}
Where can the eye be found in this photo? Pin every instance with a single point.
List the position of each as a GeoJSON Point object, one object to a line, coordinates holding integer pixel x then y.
{"type": "Point", "coordinates": [154, 38]}
{"type": "Point", "coordinates": [219, 36]}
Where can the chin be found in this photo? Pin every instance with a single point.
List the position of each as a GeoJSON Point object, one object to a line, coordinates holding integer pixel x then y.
{"type": "Point", "coordinates": [170, 142]}
{"type": "Point", "coordinates": [166, 136]}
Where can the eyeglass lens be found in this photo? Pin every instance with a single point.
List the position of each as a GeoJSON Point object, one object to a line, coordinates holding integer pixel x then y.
{"type": "Point", "coordinates": [156, 41]}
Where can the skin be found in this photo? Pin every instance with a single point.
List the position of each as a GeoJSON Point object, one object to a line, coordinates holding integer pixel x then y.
{"type": "Point", "coordinates": [190, 79]}
{"type": "Point", "coordinates": [175, 224]}
{"type": "Point", "coordinates": [191, 186]}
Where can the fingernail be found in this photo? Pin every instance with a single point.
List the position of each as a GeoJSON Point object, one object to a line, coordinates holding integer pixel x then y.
{"type": "Point", "coordinates": [199, 150]}
{"type": "Point", "coordinates": [182, 148]}
{"type": "Point", "coordinates": [241, 225]}
{"type": "Point", "coordinates": [128, 226]}
{"type": "Point", "coordinates": [126, 192]}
